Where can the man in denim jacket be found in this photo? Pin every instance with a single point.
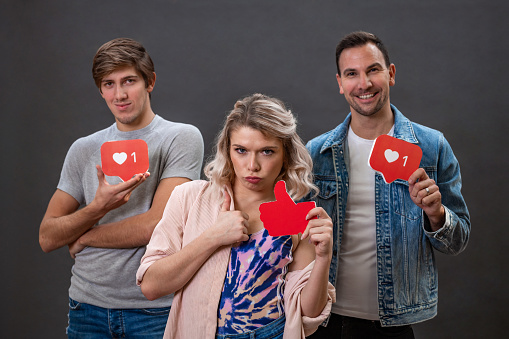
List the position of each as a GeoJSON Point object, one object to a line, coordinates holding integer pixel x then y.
{"type": "Point", "coordinates": [383, 264]}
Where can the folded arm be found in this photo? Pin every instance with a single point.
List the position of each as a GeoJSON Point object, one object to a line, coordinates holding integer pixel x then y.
{"type": "Point", "coordinates": [64, 222]}
{"type": "Point", "coordinates": [131, 232]}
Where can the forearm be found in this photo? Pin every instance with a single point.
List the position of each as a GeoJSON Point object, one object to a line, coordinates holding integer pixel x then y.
{"type": "Point", "coordinates": [314, 295]}
{"type": "Point", "coordinates": [134, 231]}
{"type": "Point", "coordinates": [56, 232]}
{"type": "Point", "coordinates": [131, 232]}
{"type": "Point", "coordinates": [170, 274]}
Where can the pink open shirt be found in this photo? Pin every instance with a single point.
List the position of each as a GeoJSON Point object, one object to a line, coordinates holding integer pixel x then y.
{"type": "Point", "coordinates": [192, 209]}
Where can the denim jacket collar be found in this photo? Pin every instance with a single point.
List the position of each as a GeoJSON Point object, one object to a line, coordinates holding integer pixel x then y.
{"type": "Point", "coordinates": [402, 130]}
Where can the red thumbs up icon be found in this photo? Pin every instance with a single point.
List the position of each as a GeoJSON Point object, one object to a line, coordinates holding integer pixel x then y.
{"type": "Point", "coordinates": [284, 216]}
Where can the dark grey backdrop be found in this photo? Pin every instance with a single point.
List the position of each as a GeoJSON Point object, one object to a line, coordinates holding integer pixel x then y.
{"type": "Point", "coordinates": [451, 59]}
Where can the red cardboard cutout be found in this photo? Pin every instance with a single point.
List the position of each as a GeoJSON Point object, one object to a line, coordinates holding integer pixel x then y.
{"type": "Point", "coordinates": [124, 158]}
{"type": "Point", "coordinates": [394, 158]}
{"type": "Point", "coordinates": [284, 216]}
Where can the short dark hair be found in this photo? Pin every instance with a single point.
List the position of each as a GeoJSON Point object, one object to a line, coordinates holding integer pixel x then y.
{"type": "Point", "coordinates": [357, 39]}
{"type": "Point", "coordinates": [122, 52]}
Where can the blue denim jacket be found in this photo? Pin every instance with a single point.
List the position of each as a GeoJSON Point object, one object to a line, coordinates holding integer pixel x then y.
{"type": "Point", "coordinates": [406, 269]}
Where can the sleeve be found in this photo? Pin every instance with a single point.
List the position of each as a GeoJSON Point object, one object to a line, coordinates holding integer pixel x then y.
{"type": "Point", "coordinates": [168, 234]}
{"type": "Point", "coordinates": [298, 326]}
{"type": "Point", "coordinates": [71, 175]}
{"type": "Point", "coordinates": [184, 157]}
{"type": "Point", "coordinates": [453, 237]}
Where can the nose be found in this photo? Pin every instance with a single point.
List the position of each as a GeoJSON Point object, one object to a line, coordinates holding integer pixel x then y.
{"type": "Point", "coordinates": [120, 93]}
{"type": "Point", "coordinates": [253, 165]}
{"type": "Point", "coordinates": [365, 81]}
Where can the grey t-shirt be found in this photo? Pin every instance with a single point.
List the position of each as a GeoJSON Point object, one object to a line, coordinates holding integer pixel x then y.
{"type": "Point", "coordinates": [106, 277]}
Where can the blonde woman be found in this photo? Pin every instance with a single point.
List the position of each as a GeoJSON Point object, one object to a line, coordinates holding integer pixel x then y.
{"type": "Point", "coordinates": [230, 277]}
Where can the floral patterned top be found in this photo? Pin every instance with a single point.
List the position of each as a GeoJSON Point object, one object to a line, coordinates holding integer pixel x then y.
{"type": "Point", "coordinates": [253, 289]}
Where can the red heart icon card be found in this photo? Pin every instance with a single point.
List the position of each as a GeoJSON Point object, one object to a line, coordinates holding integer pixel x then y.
{"type": "Point", "coordinates": [124, 158]}
{"type": "Point", "coordinates": [284, 216]}
{"type": "Point", "coordinates": [394, 158]}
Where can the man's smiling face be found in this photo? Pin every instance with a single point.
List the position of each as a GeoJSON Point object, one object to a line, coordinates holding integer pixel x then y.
{"type": "Point", "coordinates": [365, 79]}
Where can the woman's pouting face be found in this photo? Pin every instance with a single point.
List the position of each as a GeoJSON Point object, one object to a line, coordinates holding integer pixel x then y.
{"type": "Point", "coordinates": [257, 159]}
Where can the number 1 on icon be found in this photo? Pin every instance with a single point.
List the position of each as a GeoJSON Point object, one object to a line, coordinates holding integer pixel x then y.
{"type": "Point", "coordinates": [134, 155]}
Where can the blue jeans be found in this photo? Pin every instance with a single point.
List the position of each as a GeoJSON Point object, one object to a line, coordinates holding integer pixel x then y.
{"type": "Point", "coordinates": [90, 322]}
{"type": "Point", "coordinates": [273, 330]}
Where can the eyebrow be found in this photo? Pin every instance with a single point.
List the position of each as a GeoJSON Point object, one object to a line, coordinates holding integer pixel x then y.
{"type": "Point", "coordinates": [266, 147]}
{"type": "Point", "coordinates": [370, 66]}
{"type": "Point", "coordinates": [134, 76]}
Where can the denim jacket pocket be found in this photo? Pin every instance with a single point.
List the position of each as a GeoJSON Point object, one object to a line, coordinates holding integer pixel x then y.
{"type": "Point", "coordinates": [327, 187]}
{"type": "Point", "coordinates": [403, 204]}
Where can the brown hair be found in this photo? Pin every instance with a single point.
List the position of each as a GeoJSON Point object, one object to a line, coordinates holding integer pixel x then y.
{"type": "Point", "coordinates": [122, 52]}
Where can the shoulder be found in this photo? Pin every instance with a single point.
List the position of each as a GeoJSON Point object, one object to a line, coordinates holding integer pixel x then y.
{"type": "Point", "coordinates": [409, 129]}
{"type": "Point", "coordinates": [192, 188]}
{"type": "Point", "coordinates": [178, 136]}
{"type": "Point", "coordinates": [327, 139]}
{"type": "Point", "coordinates": [429, 138]}
{"type": "Point", "coordinates": [425, 130]}
{"type": "Point", "coordinates": [90, 143]}
{"type": "Point", "coordinates": [197, 193]}
{"type": "Point", "coordinates": [316, 145]}
{"type": "Point", "coordinates": [175, 128]}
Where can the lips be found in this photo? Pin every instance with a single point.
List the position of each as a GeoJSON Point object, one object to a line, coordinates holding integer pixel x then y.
{"type": "Point", "coordinates": [122, 106]}
{"type": "Point", "coordinates": [366, 96]}
{"type": "Point", "coordinates": [253, 180]}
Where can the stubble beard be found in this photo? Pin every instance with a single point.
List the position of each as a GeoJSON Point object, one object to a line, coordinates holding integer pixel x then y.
{"type": "Point", "coordinates": [127, 120]}
{"type": "Point", "coordinates": [367, 112]}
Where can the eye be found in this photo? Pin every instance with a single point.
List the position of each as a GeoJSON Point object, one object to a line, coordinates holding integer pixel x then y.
{"type": "Point", "coordinates": [350, 74]}
{"type": "Point", "coordinates": [267, 152]}
{"type": "Point", "coordinates": [129, 81]}
{"type": "Point", "coordinates": [108, 83]}
{"type": "Point", "coordinates": [240, 150]}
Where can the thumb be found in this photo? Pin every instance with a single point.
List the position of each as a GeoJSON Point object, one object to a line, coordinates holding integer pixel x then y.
{"type": "Point", "coordinates": [281, 193]}
{"type": "Point", "coordinates": [100, 175]}
{"type": "Point", "coordinates": [226, 202]}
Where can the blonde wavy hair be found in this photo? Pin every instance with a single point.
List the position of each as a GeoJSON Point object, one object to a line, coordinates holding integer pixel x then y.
{"type": "Point", "coordinates": [271, 117]}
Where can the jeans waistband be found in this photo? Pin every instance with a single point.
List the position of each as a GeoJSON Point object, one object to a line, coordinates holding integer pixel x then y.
{"type": "Point", "coordinates": [273, 328]}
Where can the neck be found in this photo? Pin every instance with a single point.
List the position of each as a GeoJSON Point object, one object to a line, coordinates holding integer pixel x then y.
{"type": "Point", "coordinates": [246, 199]}
{"type": "Point", "coordinates": [141, 122]}
{"type": "Point", "coordinates": [371, 127]}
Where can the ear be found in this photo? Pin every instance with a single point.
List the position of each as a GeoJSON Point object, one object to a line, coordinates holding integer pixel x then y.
{"type": "Point", "coordinates": [338, 78]}
{"type": "Point", "coordinates": [392, 74]}
{"type": "Point", "coordinates": [150, 86]}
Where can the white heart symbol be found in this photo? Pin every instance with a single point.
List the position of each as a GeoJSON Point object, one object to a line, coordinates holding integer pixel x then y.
{"type": "Point", "coordinates": [391, 155]}
{"type": "Point", "coordinates": [119, 157]}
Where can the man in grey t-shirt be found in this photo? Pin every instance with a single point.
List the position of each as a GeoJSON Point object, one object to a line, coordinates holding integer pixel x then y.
{"type": "Point", "coordinates": [107, 222]}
